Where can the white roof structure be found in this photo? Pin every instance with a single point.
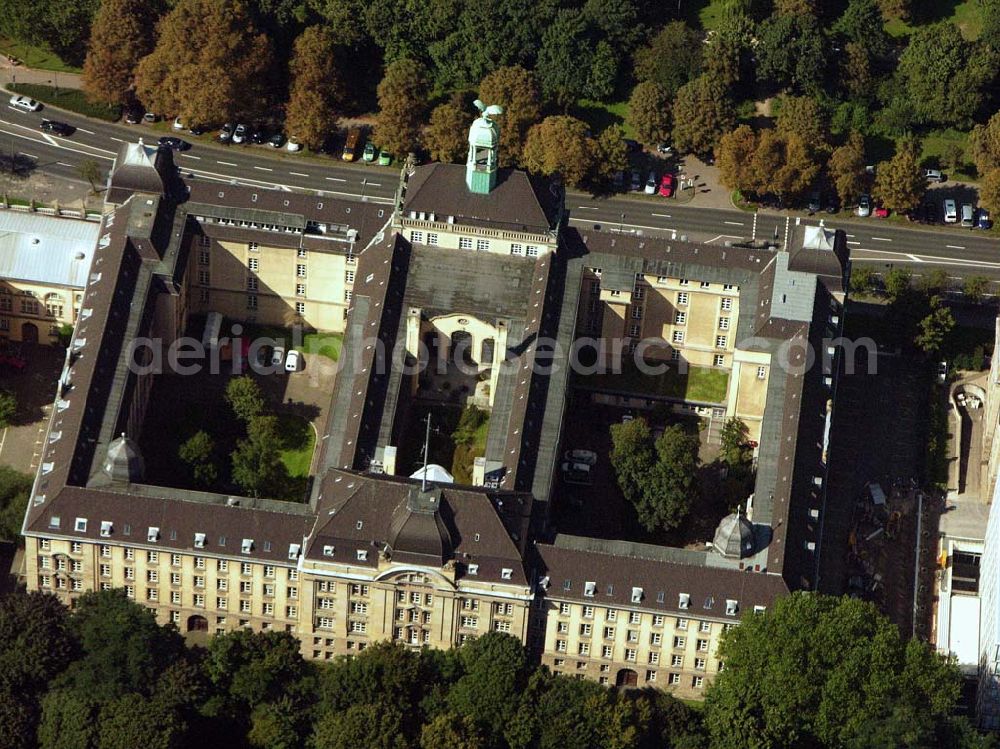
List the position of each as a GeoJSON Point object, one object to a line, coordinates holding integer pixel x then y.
{"type": "Point", "coordinates": [435, 473]}
{"type": "Point", "coordinates": [818, 238]}
{"type": "Point", "coordinates": [138, 154]}
{"type": "Point", "coordinates": [42, 249]}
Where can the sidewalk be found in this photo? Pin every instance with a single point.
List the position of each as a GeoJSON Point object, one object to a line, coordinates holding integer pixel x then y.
{"type": "Point", "coordinates": [20, 74]}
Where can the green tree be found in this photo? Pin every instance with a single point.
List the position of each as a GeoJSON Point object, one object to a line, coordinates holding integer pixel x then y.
{"type": "Point", "coordinates": [36, 642]}
{"type": "Point", "coordinates": [791, 52]}
{"type": "Point", "coordinates": [618, 22]}
{"type": "Point", "coordinates": [516, 90]}
{"type": "Point", "coordinates": [566, 58]}
{"type": "Point", "coordinates": [803, 674]}
{"type": "Point", "coordinates": [450, 731]}
{"type": "Point", "coordinates": [247, 669]}
{"type": "Point", "coordinates": [603, 73]}
{"type": "Point", "coordinates": [783, 164]}
{"type": "Point", "coordinates": [975, 288]}
{"type": "Point", "coordinates": [862, 24]}
{"type": "Point", "coordinates": [649, 113]}
{"type": "Point", "coordinates": [15, 489]}
{"type": "Point", "coordinates": [805, 117]}
{"type": "Point", "coordinates": [671, 59]}
{"type": "Point", "coordinates": [736, 450]}
{"type": "Point", "coordinates": [612, 152]}
{"type": "Point", "coordinates": [863, 280]}
{"type": "Point", "coordinates": [896, 9]}
{"type": "Point", "coordinates": [273, 725]}
{"type": "Point", "coordinates": [228, 72]}
{"type": "Point", "coordinates": [934, 281]}
{"type": "Point", "coordinates": [134, 721]}
{"type": "Point", "coordinates": [989, 191]}
{"type": "Point", "coordinates": [495, 671]}
{"type": "Point", "coordinates": [633, 456]}
{"type": "Point", "coordinates": [8, 408]}
{"type": "Point", "coordinates": [668, 491]}
{"type": "Point", "coordinates": [559, 144]}
{"type": "Point", "coordinates": [796, 7]}
{"type": "Point", "coordinates": [90, 170]}
{"type": "Point", "coordinates": [943, 75]}
{"type": "Point", "coordinates": [702, 114]}
{"type": "Point", "coordinates": [402, 97]}
{"type": "Point", "coordinates": [900, 182]}
{"type": "Point", "coordinates": [734, 158]}
{"type": "Point", "coordinates": [934, 328]}
{"type": "Point", "coordinates": [370, 726]}
{"type": "Point", "coordinates": [69, 721]}
{"type": "Point", "coordinates": [256, 464]}
{"type": "Point", "coordinates": [847, 168]}
{"type": "Point", "coordinates": [445, 136]}
{"type": "Point", "coordinates": [121, 35]}
{"type": "Point", "coordinates": [317, 89]}
{"type": "Point", "coordinates": [856, 74]}
{"type": "Point", "coordinates": [245, 397]}
{"type": "Point", "coordinates": [897, 283]}
{"type": "Point", "coordinates": [198, 451]}
{"type": "Point", "coordinates": [953, 157]}
{"type": "Point", "coordinates": [984, 143]}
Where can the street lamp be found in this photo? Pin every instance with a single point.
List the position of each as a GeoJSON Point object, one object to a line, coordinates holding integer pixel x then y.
{"type": "Point", "coordinates": [621, 224]}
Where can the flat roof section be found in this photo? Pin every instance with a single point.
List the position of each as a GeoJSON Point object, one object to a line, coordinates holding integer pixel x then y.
{"type": "Point", "coordinates": [36, 248]}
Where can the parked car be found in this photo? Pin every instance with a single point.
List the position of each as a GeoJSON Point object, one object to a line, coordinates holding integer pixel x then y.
{"type": "Point", "coordinates": [651, 184]}
{"type": "Point", "coordinates": [942, 371]}
{"type": "Point", "coordinates": [832, 204]}
{"type": "Point", "coordinates": [384, 158]}
{"type": "Point", "coordinates": [815, 202]}
{"type": "Point", "coordinates": [619, 180]}
{"type": "Point", "coordinates": [881, 212]}
{"type": "Point", "coordinates": [636, 180]}
{"type": "Point", "coordinates": [151, 117]}
{"type": "Point", "coordinates": [934, 175]}
{"type": "Point", "coordinates": [665, 149]}
{"type": "Point", "coordinates": [967, 216]}
{"type": "Point", "coordinates": [950, 212]}
{"type": "Point", "coordinates": [277, 140]}
{"type": "Point", "coordinates": [588, 457]}
{"type": "Point", "coordinates": [576, 473]}
{"type": "Point", "coordinates": [133, 114]}
{"type": "Point", "coordinates": [668, 183]}
{"type": "Point", "coordinates": [197, 130]}
{"type": "Point", "coordinates": [983, 219]}
{"type": "Point", "coordinates": [293, 145]}
{"type": "Point", "coordinates": [258, 136]}
{"type": "Point", "coordinates": [928, 212]}
{"type": "Point", "coordinates": [169, 141]}
{"type": "Point", "coordinates": [293, 362]}
{"type": "Point", "coordinates": [864, 209]}
{"type": "Point", "coordinates": [277, 356]}
{"type": "Point", "coordinates": [240, 134]}
{"type": "Point", "coordinates": [25, 103]}
{"type": "Point", "coordinates": [369, 153]}
{"type": "Point", "coordinates": [178, 125]}
{"type": "Point", "coordinates": [226, 133]}
{"type": "Point", "coordinates": [57, 128]}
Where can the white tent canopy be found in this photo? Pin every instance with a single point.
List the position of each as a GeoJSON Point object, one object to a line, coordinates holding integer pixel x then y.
{"type": "Point", "coordinates": [435, 473]}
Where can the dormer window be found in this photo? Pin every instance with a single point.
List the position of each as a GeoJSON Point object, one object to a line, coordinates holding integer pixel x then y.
{"type": "Point", "coordinates": [731, 607]}
{"type": "Point", "coordinates": [293, 551]}
{"type": "Point", "coordinates": [636, 595]}
{"type": "Point", "coordinates": [473, 569]}
{"type": "Point", "coordinates": [199, 540]}
{"type": "Point", "coordinates": [589, 589]}
{"type": "Point", "coordinates": [80, 526]}
{"type": "Point", "coordinates": [684, 601]}
{"type": "Point", "coordinates": [247, 546]}
{"type": "Point", "coordinates": [153, 534]}
{"type": "Point", "coordinates": [505, 573]}
{"type": "Point", "coordinates": [105, 528]}
{"type": "Point", "coordinates": [328, 550]}
{"type": "Point", "coordinates": [54, 521]}
{"type": "Point", "coordinates": [362, 555]}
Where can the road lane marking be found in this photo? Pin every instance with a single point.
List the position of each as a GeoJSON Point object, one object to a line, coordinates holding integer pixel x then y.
{"type": "Point", "coordinates": [189, 156]}
{"type": "Point", "coordinates": [116, 139]}
{"type": "Point", "coordinates": [29, 155]}
{"type": "Point", "coordinates": [954, 247]}
{"type": "Point", "coordinates": [299, 174]}
{"type": "Point", "coordinates": [660, 215]}
{"type": "Point", "coordinates": [914, 258]}
{"type": "Point", "coordinates": [63, 163]}
{"type": "Point", "coordinates": [225, 163]}
{"type": "Point", "coordinates": [933, 259]}
{"type": "Point", "coordinates": [880, 239]}
{"type": "Point", "coordinates": [850, 236]}
{"type": "Point", "coordinates": [230, 179]}
{"type": "Point", "coordinates": [261, 168]}
{"type": "Point", "coordinates": [85, 130]}
{"type": "Point", "coordinates": [616, 224]}
{"type": "Point", "coordinates": [336, 179]}
{"type": "Point", "coordinates": [372, 184]}
{"type": "Point", "coordinates": [733, 223]}
{"type": "Point", "coordinates": [855, 243]}
{"type": "Point", "coordinates": [586, 208]}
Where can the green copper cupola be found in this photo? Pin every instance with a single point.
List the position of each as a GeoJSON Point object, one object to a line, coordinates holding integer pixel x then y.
{"type": "Point", "coordinates": [484, 143]}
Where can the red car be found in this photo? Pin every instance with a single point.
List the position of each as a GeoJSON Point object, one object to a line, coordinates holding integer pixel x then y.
{"type": "Point", "coordinates": [881, 212]}
{"type": "Point", "coordinates": [667, 185]}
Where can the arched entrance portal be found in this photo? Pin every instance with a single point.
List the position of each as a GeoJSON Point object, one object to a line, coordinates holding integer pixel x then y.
{"type": "Point", "coordinates": [197, 623]}
{"type": "Point", "coordinates": [29, 332]}
{"type": "Point", "coordinates": [626, 678]}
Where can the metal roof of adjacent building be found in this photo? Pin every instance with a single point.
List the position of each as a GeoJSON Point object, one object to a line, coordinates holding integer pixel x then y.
{"type": "Point", "coordinates": [42, 249]}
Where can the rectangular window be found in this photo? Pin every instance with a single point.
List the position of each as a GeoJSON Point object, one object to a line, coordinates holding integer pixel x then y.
{"type": "Point", "coordinates": [203, 277]}
{"type": "Point", "coordinates": [678, 336]}
{"type": "Point", "coordinates": [679, 642]}
{"type": "Point", "coordinates": [683, 282]}
{"type": "Point", "coordinates": [517, 249]}
{"type": "Point", "coordinates": [761, 373]}
{"type": "Point", "coordinates": [465, 243]}
{"type": "Point", "coordinates": [300, 270]}
{"type": "Point", "coordinates": [203, 257]}
{"type": "Point", "coordinates": [204, 241]}
{"type": "Point", "coordinates": [654, 658]}
{"type": "Point", "coordinates": [630, 654]}
{"type": "Point", "coordinates": [705, 284]}
{"type": "Point", "coordinates": [588, 612]}
{"type": "Point", "coordinates": [699, 664]}
{"type": "Point", "coordinates": [432, 239]}
{"type": "Point", "coordinates": [531, 251]}
{"type": "Point", "coordinates": [651, 676]}
{"type": "Point", "coordinates": [634, 330]}
{"type": "Point", "coordinates": [251, 283]}
{"type": "Point", "coordinates": [727, 303]}
{"type": "Point", "coordinates": [359, 627]}
{"type": "Point", "coordinates": [682, 298]}
{"type": "Point", "coordinates": [222, 603]}
{"type": "Point", "coordinates": [675, 679]}
{"type": "Point", "coordinates": [718, 360]}
{"type": "Point", "coordinates": [636, 312]}
{"type": "Point", "coordinates": [300, 289]}
{"type": "Point", "coordinates": [702, 646]}
{"type": "Point", "coordinates": [482, 245]}
{"type": "Point", "coordinates": [253, 264]}
{"type": "Point", "coordinates": [349, 276]}
{"type": "Point", "coordinates": [680, 318]}
{"type": "Point", "coordinates": [417, 237]}
{"type": "Point", "coordinates": [720, 341]}
{"type": "Point", "coordinates": [723, 323]}
{"type": "Point", "coordinates": [251, 301]}
{"type": "Point", "coordinates": [300, 308]}
{"type": "Point", "coordinates": [677, 661]}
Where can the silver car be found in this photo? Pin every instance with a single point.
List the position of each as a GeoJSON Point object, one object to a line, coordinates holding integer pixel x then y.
{"type": "Point", "coordinates": [864, 209]}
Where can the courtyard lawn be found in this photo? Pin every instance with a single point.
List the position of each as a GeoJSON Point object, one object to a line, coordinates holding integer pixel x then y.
{"type": "Point", "coordinates": [699, 384]}
{"type": "Point", "coordinates": [34, 56]}
{"type": "Point", "coordinates": [69, 99]}
{"type": "Point", "coordinates": [967, 15]}
{"type": "Point", "coordinates": [327, 344]}
{"type": "Point", "coordinates": [704, 14]}
{"type": "Point", "coordinates": [297, 442]}
{"type": "Point", "coordinates": [936, 143]}
{"type": "Point", "coordinates": [600, 115]}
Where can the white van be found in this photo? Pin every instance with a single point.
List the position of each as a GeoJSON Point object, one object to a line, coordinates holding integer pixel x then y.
{"type": "Point", "coordinates": [967, 215]}
{"type": "Point", "coordinates": [950, 212]}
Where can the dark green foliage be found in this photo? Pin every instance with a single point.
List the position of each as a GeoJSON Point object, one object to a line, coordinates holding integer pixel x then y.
{"type": "Point", "coordinates": [15, 488]}
{"type": "Point", "coordinates": [792, 52]}
{"type": "Point", "coordinates": [8, 408]}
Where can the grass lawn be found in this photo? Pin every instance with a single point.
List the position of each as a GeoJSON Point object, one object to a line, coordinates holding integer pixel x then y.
{"type": "Point", "coordinates": [966, 15]}
{"type": "Point", "coordinates": [936, 142]}
{"type": "Point", "coordinates": [600, 115]}
{"type": "Point", "coordinates": [67, 98]}
{"type": "Point", "coordinates": [297, 442]}
{"type": "Point", "coordinates": [703, 14]}
{"type": "Point", "coordinates": [32, 56]}
{"type": "Point", "coordinates": [700, 384]}
{"type": "Point", "coordinates": [327, 344]}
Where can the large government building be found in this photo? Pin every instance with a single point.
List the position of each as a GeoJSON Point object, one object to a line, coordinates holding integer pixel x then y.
{"type": "Point", "coordinates": [474, 264]}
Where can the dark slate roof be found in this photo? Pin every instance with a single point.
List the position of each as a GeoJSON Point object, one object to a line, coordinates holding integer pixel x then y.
{"type": "Point", "coordinates": [570, 563]}
{"type": "Point", "coordinates": [368, 512]}
{"type": "Point", "coordinates": [516, 203]}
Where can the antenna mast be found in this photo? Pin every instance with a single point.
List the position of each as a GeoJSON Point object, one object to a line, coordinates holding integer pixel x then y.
{"type": "Point", "coordinates": [427, 445]}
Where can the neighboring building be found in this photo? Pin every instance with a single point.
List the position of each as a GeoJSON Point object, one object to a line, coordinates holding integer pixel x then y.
{"type": "Point", "coordinates": [44, 262]}
{"type": "Point", "coordinates": [474, 260]}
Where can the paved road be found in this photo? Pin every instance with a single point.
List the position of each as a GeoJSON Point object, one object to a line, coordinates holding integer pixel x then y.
{"type": "Point", "coordinates": [959, 251]}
